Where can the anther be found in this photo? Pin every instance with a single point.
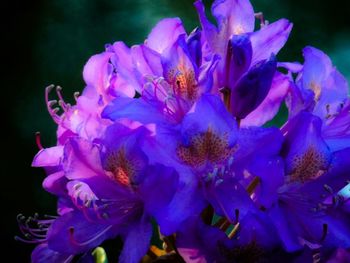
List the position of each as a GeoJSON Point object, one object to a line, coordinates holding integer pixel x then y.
{"type": "Point", "coordinates": [51, 103]}
{"type": "Point", "coordinates": [49, 88]}
{"type": "Point", "coordinates": [76, 95]}
{"type": "Point", "coordinates": [55, 110]}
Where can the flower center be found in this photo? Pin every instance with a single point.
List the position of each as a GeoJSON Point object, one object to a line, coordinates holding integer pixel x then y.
{"type": "Point", "coordinates": [121, 169]}
{"type": "Point", "coordinates": [310, 165]}
{"type": "Point", "coordinates": [185, 85]}
{"type": "Point", "coordinates": [205, 147]}
{"type": "Point", "coordinates": [184, 82]}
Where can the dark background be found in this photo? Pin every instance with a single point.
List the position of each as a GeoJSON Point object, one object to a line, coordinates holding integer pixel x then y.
{"type": "Point", "coordinates": [49, 41]}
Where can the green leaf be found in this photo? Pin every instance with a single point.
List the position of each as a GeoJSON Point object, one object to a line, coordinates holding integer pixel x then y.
{"type": "Point", "coordinates": [100, 255]}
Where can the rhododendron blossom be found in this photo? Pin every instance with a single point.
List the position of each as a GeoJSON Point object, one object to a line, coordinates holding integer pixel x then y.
{"type": "Point", "coordinates": [168, 140]}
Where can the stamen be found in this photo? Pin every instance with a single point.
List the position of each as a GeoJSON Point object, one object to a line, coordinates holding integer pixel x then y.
{"type": "Point", "coordinates": [60, 97]}
{"type": "Point", "coordinates": [49, 104]}
{"type": "Point", "coordinates": [80, 244]}
{"type": "Point", "coordinates": [234, 231]}
{"type": "Point", "coordinates": [33, 229]}
{"type": "Point", "coordinates": [38, 140]}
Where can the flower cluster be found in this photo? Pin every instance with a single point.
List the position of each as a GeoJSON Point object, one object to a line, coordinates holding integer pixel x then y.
{"type": "Point", "coordinates": [171, 139]}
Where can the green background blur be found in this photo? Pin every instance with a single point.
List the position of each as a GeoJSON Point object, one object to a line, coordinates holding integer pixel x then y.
{"type": "Point", "coordinates": [49, 41]}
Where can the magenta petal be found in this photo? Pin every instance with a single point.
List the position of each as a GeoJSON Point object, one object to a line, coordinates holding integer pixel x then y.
{"type": "Point", "coordinates": [124, 82]}
{"type": "Point", "coordinates": [55, 183]}
{"type": "Point", "coordinates": [96, 72]}
{"type": "Point", "coordinates": [317, 67]}
{"type": "Point", "coordinates": [146, 61]}
{"type": "Point", "coordinates": [82, 159]}
{"type": "Point", "coordinates": [271, 104]}
{"type": "Point", "coordinates": [270, 39]}
{"type": "Point", "coordinates": [48, 157]}
{"type": "Point", "coordinates": [234, 16]}
{"type": "Point", "coordinates": [165, 34]}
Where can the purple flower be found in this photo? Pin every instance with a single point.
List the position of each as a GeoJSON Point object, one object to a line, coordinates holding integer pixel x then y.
{"type": "Point", "coordinates": [322, 90]}
{"type": "Point", "coordinates": [314, 174]}
{"type": "Point", "coordinates": [108, 186]}
{"type": "Point", "coordinates": [243, 53]}
{"type": "Point", "coordinates": [169, 133]}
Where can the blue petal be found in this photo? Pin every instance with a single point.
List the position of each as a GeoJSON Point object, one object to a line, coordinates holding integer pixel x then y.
{"type": "Point", "coordinates": [43, 254]}
{"type": "Point", "coordinates": [302, 135]}
{"type": "Point", "coordinates": [137, 241]}
{"type": "Point", "coordinates": [216, 118]}
{"type": "Point", "coordinates": [269, 107]}
{"type": "Point", "coordinates": [257, 227]}
{"type": "Point", "coordinates": [227, 196]}
{"type": "Point", "coordinates": [72, 234]}
{"type": "Point", "coordinates": [252, 88]}
{"type": "Point", "coordinates": [194, 46]}
{"type": "Point", "coordinates": [158, 189]}
{"type": "Point", "coordinates": [198, 242]}
{"type": "Point", "coordinates": [240, 56]}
